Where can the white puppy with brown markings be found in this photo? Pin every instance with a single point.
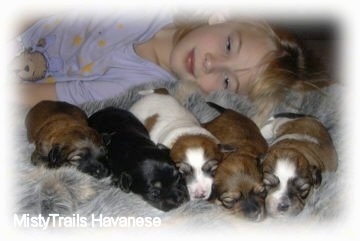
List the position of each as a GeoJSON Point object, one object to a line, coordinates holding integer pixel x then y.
{"type": "Point", "coordinates": [301, 151]}
{"type": "Point", "coordinates": [195, 151]}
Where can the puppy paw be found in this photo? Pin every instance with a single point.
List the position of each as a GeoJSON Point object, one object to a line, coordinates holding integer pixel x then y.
{"type": "Point", "coordinates": [123, 181]}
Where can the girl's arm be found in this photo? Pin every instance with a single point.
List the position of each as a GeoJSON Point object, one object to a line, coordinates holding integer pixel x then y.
{"type": "Point", "coordinates": [30, 94]}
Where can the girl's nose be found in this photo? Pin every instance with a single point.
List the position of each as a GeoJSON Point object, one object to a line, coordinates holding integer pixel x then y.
{"type": "Point", "coordinates": [212, 63]}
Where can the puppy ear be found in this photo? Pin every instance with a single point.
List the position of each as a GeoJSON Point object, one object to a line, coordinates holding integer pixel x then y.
{"type": "Point", "coordinates": [125, 182]}
{"type": "Point", "coordinates": [226, 148]}
{"type": "Point", "coordinates": [54, 154]}
{"type": "Point", "coordinates": [316, 175]}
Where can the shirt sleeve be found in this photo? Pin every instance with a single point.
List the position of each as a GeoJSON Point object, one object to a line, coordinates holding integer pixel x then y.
{"type": "Point", "coordinates": [98, 54]}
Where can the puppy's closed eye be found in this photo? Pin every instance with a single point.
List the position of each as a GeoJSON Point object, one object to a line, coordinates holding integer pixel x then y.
{"type": "Point", "coordinates": [78, 155]}
{"type": "Point", "coordinates": [75, 158]}
{"type": "Point", "coordinates": [228, 202]}
{"type": "Point", "coordinates": [302, 186]}
{"type": "Point", "coordinates": [210, 167]}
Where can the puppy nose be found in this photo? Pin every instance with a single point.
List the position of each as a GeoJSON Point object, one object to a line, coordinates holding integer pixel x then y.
{"type": "Point", "coordinates": [283, 206]}
{"type": "Point", "coordinates": [199, 194]}
{"type": "Point", "coordinates": [253, 210]}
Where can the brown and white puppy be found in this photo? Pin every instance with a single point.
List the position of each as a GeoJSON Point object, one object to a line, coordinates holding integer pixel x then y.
{"type": "Point", "coordinates": [195, 151]}
{"type": "Point", "coordinates": [301, 151]}
{"type": "Point", "coordinates": [238, 180]}
{"type": "Point", "coordinates": [62, 136]}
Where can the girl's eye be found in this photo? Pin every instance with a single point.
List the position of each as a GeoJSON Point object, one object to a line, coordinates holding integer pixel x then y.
{"type": "Point", "coordinates": [228, 45]}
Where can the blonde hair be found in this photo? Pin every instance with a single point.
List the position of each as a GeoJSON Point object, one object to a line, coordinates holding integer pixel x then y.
{"type": "Point", "coordinates": [280, 71]}
{"type": "Point", "coordinates": [287, 69]}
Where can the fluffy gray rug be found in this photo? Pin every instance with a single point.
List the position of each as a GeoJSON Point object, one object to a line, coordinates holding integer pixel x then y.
{"type": "Point", "coordinates": [67, 191]}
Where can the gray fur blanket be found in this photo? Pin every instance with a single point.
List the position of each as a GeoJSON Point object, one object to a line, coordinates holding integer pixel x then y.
{"type": "Point", "coordinates": [68, 192]}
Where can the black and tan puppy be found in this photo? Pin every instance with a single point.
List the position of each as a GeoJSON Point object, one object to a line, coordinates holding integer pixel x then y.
{"type": "Point", "coordinates": [238, 179]}
{"type": "Point", "coordinates": [136, 163]}
{"type": "Point", "coordinates": [301, 151]}
{"type": "Point", "coordinates": [62, 137]}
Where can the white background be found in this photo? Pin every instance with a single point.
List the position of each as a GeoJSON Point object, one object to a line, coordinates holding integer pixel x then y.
{"type": "Point", "coordinates": [344, 10]}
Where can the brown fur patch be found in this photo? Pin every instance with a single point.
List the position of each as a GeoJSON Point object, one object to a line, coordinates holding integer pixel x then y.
{"type": "Point", "coordinates": [236, 129]}
{"type": "Point", "coordinates": [47, 112]}
{"type": "Point", "coordinates": [239, 173]}
{"type": "Point", "coordinates": [150, 122]}
{"type": "Point", "coordinates": [323, 155]}
{"type": "Point", "coordinates": [306, 126]}
{"type": "Point", "coordinates": [186, 142]}
{"type": "Point", "coordinates": [55, 123]}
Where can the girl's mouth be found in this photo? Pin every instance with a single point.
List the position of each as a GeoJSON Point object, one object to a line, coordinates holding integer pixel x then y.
{"type": "Point", "coordinates": [190, 62]}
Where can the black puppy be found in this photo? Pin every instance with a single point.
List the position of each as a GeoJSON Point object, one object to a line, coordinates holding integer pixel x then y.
{"type": "Point", "coordinates": [136, 163]}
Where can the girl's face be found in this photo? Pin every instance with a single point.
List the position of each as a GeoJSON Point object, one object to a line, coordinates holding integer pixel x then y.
{"type": "Point", "coordinates": [217, 56]}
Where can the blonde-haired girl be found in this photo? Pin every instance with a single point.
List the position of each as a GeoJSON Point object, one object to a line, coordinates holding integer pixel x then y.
{"type": "Point", "coordinates": [96, 58]}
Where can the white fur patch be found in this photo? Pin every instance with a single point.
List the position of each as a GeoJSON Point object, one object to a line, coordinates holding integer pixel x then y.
{"type": "Point", "coordinates": [284, 170]}
{"type": "Point", "coordinates": [200, 187]}
{"type": "Point", "coordinates": [173, 120]}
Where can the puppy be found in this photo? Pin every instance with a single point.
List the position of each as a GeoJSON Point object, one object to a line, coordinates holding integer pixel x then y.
{"type": "Point", "coordinates": [302, 149]}
{"type": "Point", "coordinates": [238, 180]}
{"type": "Point", "coordinates": [136, 163]}
{"type": "Point", "coordinates": [195, 151]}
{"type": "Point", "coordinates": [62, 137]}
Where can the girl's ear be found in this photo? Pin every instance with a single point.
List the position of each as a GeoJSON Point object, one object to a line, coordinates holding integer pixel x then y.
{"type": "Point", "coordinates": [218, 17]}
